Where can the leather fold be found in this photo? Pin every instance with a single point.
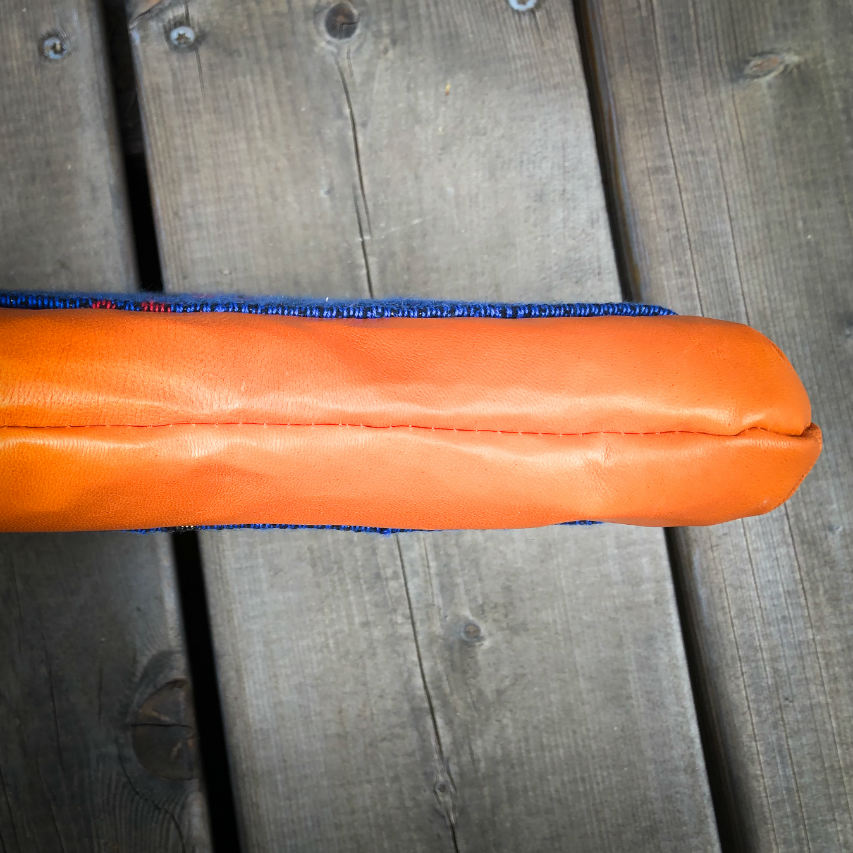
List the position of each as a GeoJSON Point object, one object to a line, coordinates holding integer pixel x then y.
{"type": "Point", "coordinates": [122, 420]}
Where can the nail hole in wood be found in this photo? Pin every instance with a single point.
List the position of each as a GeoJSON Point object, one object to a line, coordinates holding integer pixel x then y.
{"type": "Point", "coordinates": [54, 46]}
{"type": "Point", "coordinates": [472, 632]}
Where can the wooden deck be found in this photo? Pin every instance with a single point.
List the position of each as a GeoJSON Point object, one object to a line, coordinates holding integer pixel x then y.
{"type": "Point", "coordinates": [588, 689]}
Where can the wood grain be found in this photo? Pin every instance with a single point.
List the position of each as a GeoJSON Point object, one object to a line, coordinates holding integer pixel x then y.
{"type": "Point", "coordinates": [91, 631]}
{"type": "Point", "coordinates": [729, 130]}
{"type": "Point", "coordinates": [89, 623]}
{"type": "Point", "coordinates": [63, 217]}
{"type": "Point", "coordinates": [503, 690]}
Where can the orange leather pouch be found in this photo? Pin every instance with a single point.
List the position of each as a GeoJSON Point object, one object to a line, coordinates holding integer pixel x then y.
{"type": "Point", "coordinates": [118, 413]}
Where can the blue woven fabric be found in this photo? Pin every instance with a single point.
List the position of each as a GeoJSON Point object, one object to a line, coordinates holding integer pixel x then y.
{"type": "Point", "coordinates": [352, 528]}
{"type": "Point", "coordinates": [332, 309]}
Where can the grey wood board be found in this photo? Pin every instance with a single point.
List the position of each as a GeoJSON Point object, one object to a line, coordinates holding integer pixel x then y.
{"type": "Point", "coordinates": [89, 623]}
{"type": "Point", "coordinates": [63, 219]}
{"type": "Point", "coordinates": [442, 151]}
{"type": "Point", "coordinates": [729, 131]}
{"type": "Point", "coordinates": [98, 749]}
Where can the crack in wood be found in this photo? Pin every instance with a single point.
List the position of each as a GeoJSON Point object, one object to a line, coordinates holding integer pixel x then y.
{"type": "Point", "coordinates": [361, 193]}
{"type": "Point", "coordinates": [10, 810]}
{"type": "Point", "coordinates": [51, 808]}
{"type": "Point", "coordinates": [445, 791]}
{"type": "Point", "coordinates": [362, 239]}
{"type": "Point", "coordinates": [52, 702]}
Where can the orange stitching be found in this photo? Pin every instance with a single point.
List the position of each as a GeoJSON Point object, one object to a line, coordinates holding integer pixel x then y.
{"type": "Point", "coordinates": [402, 426]}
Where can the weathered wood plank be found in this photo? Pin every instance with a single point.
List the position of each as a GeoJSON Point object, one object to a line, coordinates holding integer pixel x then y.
{"type": "Point", "coordinates": [63, 215]}
{"type": "Point", "coordinates": [96, 754]}
{"type": "Point", "coordinates": [729, 132]}
{"type": "Point", "coordinates": [503, 691]}
{"type": "Point", "coordinates": [89, 623]}
{"type": "Point", "coordinates": [329, 732]}
{"type": "Point", "coordinates": [559, 687]}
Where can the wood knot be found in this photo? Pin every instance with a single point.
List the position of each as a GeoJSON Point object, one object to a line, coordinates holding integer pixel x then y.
{"type": "Point", "coordinates": [766, 66]}
{"type": "Point", "coordinates": [342, 21]}
{"type": "Point", "coordinates": [164, 732]}
{"type": "Point", "coordinates": [444, 791]}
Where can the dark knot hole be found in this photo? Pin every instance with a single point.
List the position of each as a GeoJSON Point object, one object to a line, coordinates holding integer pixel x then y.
{"type": "Point", "coordinates": [342, 21]}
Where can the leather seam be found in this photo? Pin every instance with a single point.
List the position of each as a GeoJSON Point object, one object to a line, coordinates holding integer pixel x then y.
{"type": "Point", "coordinates": [342, 425]}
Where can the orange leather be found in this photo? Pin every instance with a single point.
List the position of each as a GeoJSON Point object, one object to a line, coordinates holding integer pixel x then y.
{"type": "Point", "coordinates": [114, 419]}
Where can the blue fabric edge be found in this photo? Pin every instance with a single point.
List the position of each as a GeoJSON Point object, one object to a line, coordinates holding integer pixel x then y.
{"type": "Point", "coordinates": [367, 309]}
{"type": "Point", "coordinates": [347, 528]}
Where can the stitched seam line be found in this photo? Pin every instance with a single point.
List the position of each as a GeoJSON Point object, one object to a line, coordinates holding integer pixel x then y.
{"type": "Point", "coordinates": [403, 426]}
